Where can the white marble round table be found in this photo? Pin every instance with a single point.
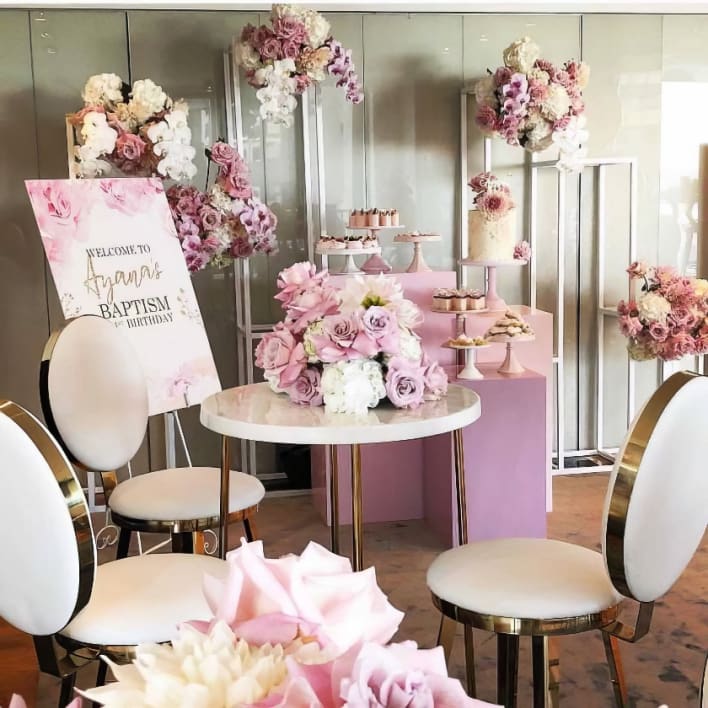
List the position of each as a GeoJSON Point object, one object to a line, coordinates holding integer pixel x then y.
{"type": "Point", "coordinates": [254, 412]}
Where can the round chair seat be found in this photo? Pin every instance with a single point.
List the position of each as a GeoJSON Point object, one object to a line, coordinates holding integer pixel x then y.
{"type": "Point", "coordinates": [183, 493]}
{"type": "Point", "coordinates": [523, 578]}
{"type": "Point", "coordinates": [144, 599]}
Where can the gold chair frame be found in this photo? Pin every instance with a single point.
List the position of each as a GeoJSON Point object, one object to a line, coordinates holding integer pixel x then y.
{"type": "Point", "coordinates": [187, 534]}
{"type": "Point", "coordinates": [545, 659]}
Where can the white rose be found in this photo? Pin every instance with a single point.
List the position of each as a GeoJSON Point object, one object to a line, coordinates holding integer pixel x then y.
{"type": "Point", "coordinates": [653, 308]}
{"type": "Point", "coordinates": [247, 56]}
{"type": "Point", "coordinates": [352, 386]}
{"type": "Point", "coordinates": [556, 104]}
{"type": "Point", "coordinates": [521, 55]}
{"type": "Point", "coordinates": [539, 75]}
{"type": "Point", "coordinates": [484, 92]}
{"type": "Point", "coordinates": [220, 200]}
{"type": "Point", "coordinates": [409, 345]}
{"type": "Point", "coordinates": [317, 28]}
{"type": "Point", "coordinates": [103, 89]}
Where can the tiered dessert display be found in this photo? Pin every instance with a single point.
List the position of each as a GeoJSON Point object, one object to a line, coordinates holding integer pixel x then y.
{"type": "Point", "coordinates": [469, 345]}
{"type": "Point", "coordinates": [371, 222]}
{"type": "Point", "coordinates": [508, 330]}
{"type": "Point", "coordinates": [418, 264]}
{"type": "Point", "coordinates": [492, 234]}
{"type": "Point", "coordinates": [349, 246]}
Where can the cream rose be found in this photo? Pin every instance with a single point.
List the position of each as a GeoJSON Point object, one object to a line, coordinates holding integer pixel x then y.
{"type": "Point", "coordinates": [147, 98]}
{"type": "Point", "coordinates": [521, 55]}
{"type": "Point", "coordinates": [317, 28]}
{"type": "Point", "coordinates": [103, 89]}
{"type": "Point", "coordinates": [653, 308]}
{"type": "Point", "coordinates": [700, 287]}
{"type": "Point", "coordinates": [247, 56]}
{"type": "Point", "coordinates": [557, 102]}
{"type": "Point", "coordinates": [582, 75]}
{"type": "Point", "coordinates": [484, 92]}
{"type": "Point", "coordinates": [539, 75]}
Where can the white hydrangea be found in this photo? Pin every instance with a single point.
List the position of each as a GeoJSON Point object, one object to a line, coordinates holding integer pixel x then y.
{"type": "Point", "coordinates": [147, 98]}
{"type": "Point", "coordinates": [171, 138]}
{"type": "Point", "coordinates": [653, 308]}
{"type": "Point", "coordinates": [317, 28]}
{"type": "Point", "coordinates": [103, 90]}
{"type": "Point", "coordinates": [352, 386]}
{"type": "Point", "coordinates": [556, 104]}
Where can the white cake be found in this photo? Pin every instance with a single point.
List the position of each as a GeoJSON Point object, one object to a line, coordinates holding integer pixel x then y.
{"type": "Point", "coordinates": [491, 240]}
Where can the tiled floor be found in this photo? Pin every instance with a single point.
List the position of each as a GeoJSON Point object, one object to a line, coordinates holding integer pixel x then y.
{"type": "Point", "coordinates": [664, 667]}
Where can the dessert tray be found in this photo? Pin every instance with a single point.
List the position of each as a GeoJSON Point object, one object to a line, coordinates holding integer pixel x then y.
{"type": "Point", "coordinates": [376, 264]}
{"type": "Point", "coordinates": [350, 265]}
{"type": "Point", "coordinates": [441, 311]}
{"type": "Point", "coordinates": [494, 302]}
{"type": "Point", "coordinates": [469, 372]}
{"type": "Point", "coordinates": [418, 264]}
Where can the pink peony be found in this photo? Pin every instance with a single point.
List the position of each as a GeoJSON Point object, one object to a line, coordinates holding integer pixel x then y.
{"type": "Point", "coordinates": [281, 354]}
{"type": "Point", "coordinates": [434, 378]}
{"type": "Point", "coordinates": [522, 251]}
{"type": "Point", "coordinates": [130, 147]}
{"type": "Point", "coordinates": [486, 119]}
{"type": "Point", "coordinates": [306, 389]}
{"type": "Point", "coordinates": [223, 154]}
{"type": "Point", "coordinates": [405, 383]}
{"type": "Point", "coordinates": [381, 325]}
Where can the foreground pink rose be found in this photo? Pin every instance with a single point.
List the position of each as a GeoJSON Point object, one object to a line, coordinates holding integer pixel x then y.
{"type": "Point", "coordinates": [279, 353]}
{"type": "Point", "coordinates": [405, 385]}
{"type": "Point", "coordinates": [434, 378]}
{"type": "Point", "coordinates": [297, 278]}
{"type": "Point", "coordinates": [381, 325]}
{"type": "Point", "coordinates": [306, 389]}
{"type": "Point", "coordinates": [316, 589]}
{"type": "Point", "coordinates": [130, 147]}
{"type": "Point", "coordinates": [311, 305]}
{"type": "Point", "coordinates": [344, 338]}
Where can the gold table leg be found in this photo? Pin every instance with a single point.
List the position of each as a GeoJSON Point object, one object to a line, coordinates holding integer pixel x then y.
{"type": "Point", "coordinates": [224, 499]}
{"type": "Point", "coordinates": [460, 486]}
{"type": "Point", "coordinates": [357, 521]}
{"type": "Point", "coordinates": [334, 498]}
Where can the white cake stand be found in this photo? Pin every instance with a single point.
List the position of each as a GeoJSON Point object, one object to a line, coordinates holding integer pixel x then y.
{"type": "Point", "coordinates": [494, 302]}
{"type": "Point", "coordinates": [470, 372]}
{"type": "Point", "coordinates": [418, 264]}
{"type": "Point", "coordinates": [511, 365]}
{"type": "Point", "coordinates": [350, 265]}
{"type": "Point", "coordinates": [375, 264]}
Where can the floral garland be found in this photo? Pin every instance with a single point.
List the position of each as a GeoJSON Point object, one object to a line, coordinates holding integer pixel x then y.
{"type": "Point", "coordinates": [669, 319]}
{"type": "Point", "coordinates": [281, 61]}
{"type": "Point", "coordinates": [347, 349]}
{"type": "Point", "coordinates": [141, 131]}
{"type": "Point", "coordinates": [293, 631]}
{"type": "Point", "coordinates": [228, 221]}
{"type": "Point", "coordinates": [534, 104]}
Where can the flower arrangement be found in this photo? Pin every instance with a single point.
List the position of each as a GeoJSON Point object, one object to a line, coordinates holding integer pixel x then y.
{"type": "Point", "coordinates": [294, 631]}
{"type": "Point", "coordinates": [139, 131]}
{"type": "Point", "coordinates": [347, 349]}
{"type": "Point", "coordinates": [296, 51]}
{"type": "Point", "coordinates": [668, 320]}
{"type": "Point", "coordinates": [534, 104]}
{"type": "Point", "coordinates": [226, 222]}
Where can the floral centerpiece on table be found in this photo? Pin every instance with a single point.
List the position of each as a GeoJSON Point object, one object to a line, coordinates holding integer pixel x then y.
{"type": "Point", "coordinates": [296, 51]}
{"type": "Point", "coordinates": [226, 222]}
{"type": "Point", "coordinates": [298, 631]}
{"type": "Point", "coordinates": [348, 349]}
{"type": "Point", "coordinates": [533, 103]}
{"type": "Point", "coordinates": [139, 131]}
{"type": "Point", "coordinates": [668, 319]}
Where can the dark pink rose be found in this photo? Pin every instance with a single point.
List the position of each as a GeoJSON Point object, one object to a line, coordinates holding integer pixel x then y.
{"type": "Point", "coordinates": [405, 383]}
{"type": "Point", "coordinates": [223, 154]}
{"type": "Point", "coordinates": [241, 248]}
{"type": "Point", "coordinates": [271, 48]}
{"type": "Point", "coordinates": [290, 49]}
{"type": "Point", "coordinates": [290, 28]}
{"type": "Point", "coordinates": [306, 389]}
{"type": "Point", "coordinates": [486, 119]}
{"type": "Point", "coordinates": [186, 205]}
{"type": "Point", "coordinates": [502, 76]}
{"type": "Point", "coordinates": [281, 354]}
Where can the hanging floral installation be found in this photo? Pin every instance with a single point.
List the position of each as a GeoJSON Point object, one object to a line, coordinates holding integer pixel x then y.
{"type": "Point", "coordinates": [296, 51]}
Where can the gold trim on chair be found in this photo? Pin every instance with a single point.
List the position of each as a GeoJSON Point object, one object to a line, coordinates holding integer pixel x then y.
{"type": "Point", "coordinates": [73, 496]}
{"type": "Point", "coordinates": [627, 470]}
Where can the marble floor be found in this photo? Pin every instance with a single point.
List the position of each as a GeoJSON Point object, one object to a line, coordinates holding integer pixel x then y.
{"type": "Point", "coordinates": [663, 668]}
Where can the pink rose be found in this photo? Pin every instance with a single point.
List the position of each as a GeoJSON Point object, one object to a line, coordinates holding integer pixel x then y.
{"type": "Point", "coordinates": [486, 119]}
{"type": "Point", "coordinates": [382, 326]}
{"type": "Point", "coordinates": [630, 326]}
{"type": "Point", "coordinates": [627, 308]}
{"type": "Point", "coordinates": [676, 346]}
{"type": "Point", "coordinates": [343, 339]}
{"type": "Point", "coordinates": [434, 378]}
{"type": "Point", "coordinates": [241, 248]}
{"type": "Point", "coordinates": [562, 77]}
{"type": "Point", "coordinates": [186, 205]}
{"type": "Point", "coordinates": [502, 76]}
{"type": "Point", "coordinates": [235, 184]}
{"type": "Point", "coordinates": [311, 305]}
{"type": "Point", "coordinates": [658, 331]}
{"type": "Point", "coordinates": [306, 389]}
{"type": "Point", "coordinates": [290, 28]}
{"type": "Point", "coordinates": [479, 182]}
{"type": "Point", "coordinates": [290, 49]}
{"type": "Point", "coordinates": [296, 278]}
{"type": "Point", "coordinates": [56, 211]}
{"type": "Point", "coordinates": [281, 354]}
{"type": "Point", "coordinates": [130, 147]}
{"type": "Point", "coordinates": [545, 65]}
{"type": "Point", "coordinates": [271, 48]}
{"type": "Point", "coordinates": [223, 154]}
{"type": "Point", "coordinates": [210, 217]}
{"type": "Point", "coordinates": [537, 91]}
{"type": "Point", "coordinates": [405, 383]}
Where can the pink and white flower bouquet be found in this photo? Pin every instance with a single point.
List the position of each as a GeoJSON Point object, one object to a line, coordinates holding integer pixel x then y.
{"type": "Point", "coordinates": [292, 632]}
{"type": "Point", "coordinates": [348, 349]}
{"type": "Point", "coordinates": [534, 104]}
{"type": "Point", "coordinates": [668, 319]}
{"type": "Point", "coordinates": [297, 50]}
{"type": "Point", "coordinates": [138, 131]}
{"type": "Point", "coordinates": [226, 222]}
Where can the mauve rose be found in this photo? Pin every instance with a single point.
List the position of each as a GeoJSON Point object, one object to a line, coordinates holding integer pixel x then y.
{"type": "Point", "coordinates": [280, 353]}
{"type": "Point", "coordinates": [343, 340]}
{"type": "Point", "coordinates": [241, 248]}
{"type": "Point", "coordinates": [236, 185]}
{"type": "Point", "coordinates": [311, 305]}
{"type": "Point", "coordinates": [677, 346]}
{"type": "Point", "coordinates": [434, 378]}
{"type": "Point", "coordinates": [211, 245]}
{"type": "Point", "coordinates": [186, 205]}
{"type": "Point", "coordinates": [658, 331]}
{"type": "Point", "coordinates": [306, 389]}
{"type": "Point", "coordinates": [486, 119]}
{"type": "Point", "coordinates": [211, 218]}
{"type": "Point", "coordinates": [405, 383]}
{"type": "Point", "coordinates": [630, 326]}
{"type": "Point", "coordinates": [290, 49]}
{"type": "Point", "coordinates": [271, 48]}
{"type": "Point", "coordinates": [290, 28]}
{"type": "Point", "coordinates": [129, 146]}
{"type": "Point", "coordinates": [223, 154]}
{"type": "Point", "coordinates": [502, 76]}
{"type": "Point", "coordinates": [382, 326]}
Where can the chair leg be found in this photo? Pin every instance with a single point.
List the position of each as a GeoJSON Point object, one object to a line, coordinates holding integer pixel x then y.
{"type": "Point", "coordinates": [546, 677]}
{"type": "Point", "coordinates": [100, 678]}
{"type": "Point", "coordinates": [614, 661]}
{"type": "Point", "coordinates": [182, 542]}
{"type": "Point", "coordinates": [249, 525]}
{"type": "Point", "coordinates": [123, 544]}
{"type": "Point", "coordinates": [469, 662]}
{"type": "Point", "coordinates": [446, 636]}
{"type": "Point", "coordinates": [66, 694]}
{"type": "Point", "coordinates": [507, 669]}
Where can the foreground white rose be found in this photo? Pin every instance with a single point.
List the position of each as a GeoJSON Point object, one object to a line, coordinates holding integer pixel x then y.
{"type": "Point", "coordinates": [213, 669]}
{"type": "Point", "coordinates": [521, 55]}
{"type": "Point", "coordinates": [352, 386]}
{"type": "Point", "coordinates": [653, 308]}
{"type": "Point", "coordinates": [103, 90]}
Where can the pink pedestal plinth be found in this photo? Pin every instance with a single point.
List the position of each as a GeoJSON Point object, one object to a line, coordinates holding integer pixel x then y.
{"type": "Point", "coordinates": [505, 462]}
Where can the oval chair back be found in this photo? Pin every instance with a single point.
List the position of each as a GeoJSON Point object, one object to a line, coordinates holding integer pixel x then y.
{"type": "Point", "coordinates": [47, 550]}
{"type": "Point", "coordinates": [657, 503]}
{"type": "Point", "coordinates": [93, 393]}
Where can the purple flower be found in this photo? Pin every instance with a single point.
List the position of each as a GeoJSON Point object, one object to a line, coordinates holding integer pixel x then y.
{"type": "Point", "coordinates": [405, 383]}
{"type": "Point", "coordinates": [306, 389]}
{"type": "Point", "coordinates": [381, 325]}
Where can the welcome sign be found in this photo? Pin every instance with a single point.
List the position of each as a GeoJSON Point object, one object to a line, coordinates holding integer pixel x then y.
{"type": "Point", "coordinates": [113, 251]}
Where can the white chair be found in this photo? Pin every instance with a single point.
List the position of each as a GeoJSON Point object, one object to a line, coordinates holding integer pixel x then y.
{"type": "Point", "coordinates": [655, 516]}
{"type": "Point", "coordinates": [51, 586]}
{"type": "Point", "coordinates": [94, 399]}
